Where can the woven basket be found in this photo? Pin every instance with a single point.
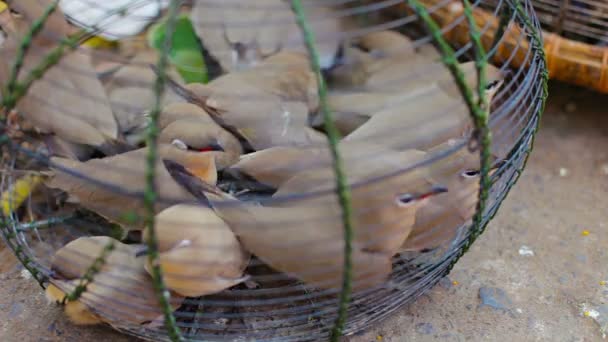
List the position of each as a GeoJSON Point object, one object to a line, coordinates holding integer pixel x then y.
{"type": "Point", "coordinates": [270, 298]}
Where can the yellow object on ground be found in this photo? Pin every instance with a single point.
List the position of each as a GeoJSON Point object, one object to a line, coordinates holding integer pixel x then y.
{"type": "Point", "coordinates": [97, 42]}
{"type": "Point", "coordinates": [18, 192]}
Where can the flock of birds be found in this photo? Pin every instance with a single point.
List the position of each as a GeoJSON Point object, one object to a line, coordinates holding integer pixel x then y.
{"type": "Point", "coordinates": [258, 123]}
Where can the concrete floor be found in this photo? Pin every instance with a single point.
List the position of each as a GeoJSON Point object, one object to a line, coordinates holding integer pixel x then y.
{"type": "Point", "coordinates": [498, 291]}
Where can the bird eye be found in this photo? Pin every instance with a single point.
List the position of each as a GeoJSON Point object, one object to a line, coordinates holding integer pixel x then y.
{"type": "Point", "coordinates": [405, 199]}
{"type": "Point", "coordinates": [470, 173]}
{"type": "Point", "coordinates": [492, 84]}
{"type": "Point", "coordinates": [179, 144]}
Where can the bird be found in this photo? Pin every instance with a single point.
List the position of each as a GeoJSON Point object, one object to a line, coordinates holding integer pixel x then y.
{"type": "Point", "coordinates": [59, 147]}
{"type": "Point", "coordinates": [437, 114]}
{"type": "Point", "coordinates": [189, 127]}
{"type": "Point", "coordinates": [130, 91]}
{"type": "Point", "coordinates": [353, 108]}
{"type": "Point", "coordinates": [386, 44]}
{"type": "Point", "coordinates": [68, 101]}
{"type": "Point", "coordinates": [438, 222]}
{"type": "Point", "coordinates": [351, 69]}
{"type": "Point", "coordinates": [198, 252]}
{"type": "Point", "coordinates": [304, 237]}
{"type": "Point", "coordinates": [268, 105]}
{"type": "Point", "coordinates": [126, 172]}
{"type": "Point", "coordinates": [274, 166]}
{"type": "Point", "coordinates": [240, 42]}
{"type": "Point", "coordinates": [121, 294]}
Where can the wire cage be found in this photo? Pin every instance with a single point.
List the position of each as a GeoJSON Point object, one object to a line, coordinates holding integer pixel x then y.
{"type": "Point", "coordinates": [576, 45]}
{"type": "Point", "coordinates": [258, 170]}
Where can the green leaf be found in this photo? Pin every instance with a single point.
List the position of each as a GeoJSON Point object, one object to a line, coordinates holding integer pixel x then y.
{"type": "Point", "coordinates": [186, 52]}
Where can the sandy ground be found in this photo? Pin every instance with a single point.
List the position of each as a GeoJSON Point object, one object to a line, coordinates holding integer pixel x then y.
{"type": "Point", "coordinates": [531, 276]}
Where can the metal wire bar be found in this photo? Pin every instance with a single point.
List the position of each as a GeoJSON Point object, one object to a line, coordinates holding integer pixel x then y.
{"type": "Point", "coordinates": [342, 188]}
{"type": "Point", "coordinates": [90, 274]}
{"type": "Point", "coordinates": [25, 44]}
{"type": "Point", "coordinates": [150, 195]}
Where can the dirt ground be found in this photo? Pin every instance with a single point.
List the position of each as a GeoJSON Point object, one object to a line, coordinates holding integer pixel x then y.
{"type": "Point", "coordinates": [539, 273]}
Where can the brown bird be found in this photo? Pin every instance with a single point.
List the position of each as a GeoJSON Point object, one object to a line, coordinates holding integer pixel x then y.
{"type": "Point", "coordinates": [437, 223]}
{"type": "Point", "coordinates": [69, 101]}
{"type": "Point", "coordinates": [274, 166]}
{"type": "Point", "coordinates": [268, 105]}
{"type": "Point", "coordinates": [199, 254]}
{"type": "Point", "coordinates": [131, 94]}
{"type": "Point", "coordinates": [121, 293]}
{"type": "Point", "coordinates": [126, 172]}
{"type": "Point", "coordinates": [386, 44]}
{"type": "Point", "coordinates": [352, 107]}
{"type": "Point", "coordinates": [240, 41]}
{"type": "Point", "coordinates": [189, 127]}
{"type": "Point", "coordinates": [304, 236]}
{"type": "Point", "coordinates": [436, 115]}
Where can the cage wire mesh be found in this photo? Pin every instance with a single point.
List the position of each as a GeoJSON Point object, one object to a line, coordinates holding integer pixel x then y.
{"type": "Point", "coordinates": [274, 170]}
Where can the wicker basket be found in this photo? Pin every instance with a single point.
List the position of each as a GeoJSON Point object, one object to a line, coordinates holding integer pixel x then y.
{"type": "Point", "coordinates": [270, 298]}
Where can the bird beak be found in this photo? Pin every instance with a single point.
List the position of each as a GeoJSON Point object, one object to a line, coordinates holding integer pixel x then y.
{"type": "Point", "coordinates": [212, 147]}
{"type": "Point", "coordinates": [435, 190]}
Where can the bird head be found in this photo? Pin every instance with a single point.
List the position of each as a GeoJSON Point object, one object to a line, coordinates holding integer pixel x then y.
{"type": "Point", "coordinates": [195, 146]}
{"type": "Point", "coordinates": [494, 80]}
{"type": "Point", "coordinates": [200, 164]}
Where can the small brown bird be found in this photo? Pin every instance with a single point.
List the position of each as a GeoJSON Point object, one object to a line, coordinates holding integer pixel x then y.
{"type": "Point", "coordinates": [355, 105]}
{"type": "Point", "coordinates": [276, 165]}
{"type": "Point", "coordinates": [189, 127]}
{"type": "Point", "coordinates": [438, 222]}
{"type": "Point", "coordinates": [240, 41]}
{"type": "Point", "coordinates": [434, 116]}
{"type": "Point", "coordinates": [121, 293]}
{"type": "Point", "coordinates": [124, 178]}
{"type": "Point", "coordinates": [386, 44]}
{"type": "Point", "coordinates": [268, 105]}
{"type": "Point", "coordinates": [304, 236]}
{"type": "Point", "coordinates": [199, 254]}
{"type": "Point", "coordinates": [131, 94]}
{"type": "Point", "coordinates": [69, 101]}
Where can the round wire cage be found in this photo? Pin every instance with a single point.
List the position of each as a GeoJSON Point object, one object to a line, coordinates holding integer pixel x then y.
{"type": "Point", "coordinates": [273, 170]}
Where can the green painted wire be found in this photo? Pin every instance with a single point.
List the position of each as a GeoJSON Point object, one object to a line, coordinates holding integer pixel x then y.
{"type": "Point", "coordinates": [342, 188]}
{"type": "Point", "coordinates": [90, 273]}
{"type": "Point", "coordinates": [481, 123]}
{"type": "Point", "coordinates": [10, 99]}
{"type": "Point", "coordinates": [448, 55]}
{"type": "Point", "coordinates": [8, 235]}
{"type": "Point", "coordinates": [479, 110]}
{"type": "Point", "coordinates": [164, 297]}
{"type": "Point", "coordinates": [50, 60]}
{"type": "Point", "coordinates": [26, 43]}
{"type": "Point", "coordinates": [537, 47]}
